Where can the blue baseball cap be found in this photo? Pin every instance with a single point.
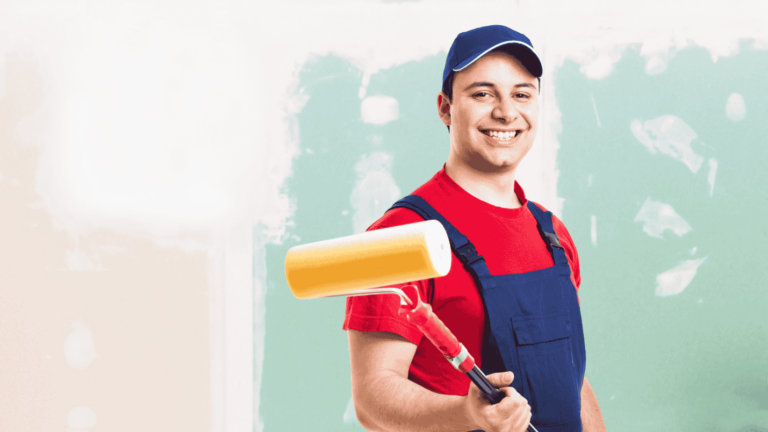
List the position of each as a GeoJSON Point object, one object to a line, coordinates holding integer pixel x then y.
{"type": "Point", "coordinates": [473, 44]}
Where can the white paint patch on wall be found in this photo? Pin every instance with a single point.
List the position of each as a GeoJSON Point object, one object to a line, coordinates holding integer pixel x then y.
{"type": "Point", "coordinates": [77, 260]}
{"type": "Point", "coordinates": [658, 217]}
{"type": "Point", "coordinates": [379, 109]}
{"type": "Point", "coordinates": [2, 75]}
{"type": "Point", "coordinates": [151, 117]}
{"type": "Point", "coordinates": [79, 349]}
{"type": "Point", "coordinates": [735, 109]}
{"type": "Point", "coordinates": [233, 284]}
{"type": "Point", "coordinates": [711, 175]}
{"type": "Point", "coordinates": [675, 280]}
{"type": "Point", "coordinates": [81, 417]}
{"type": "Point", "coordinates": [593, 230]}
{"type": "Point", "coordinates": [374, 191]}
{"type": "Point", "coordinates": [669, 135]}
{"type": "Point", "coordinates": [600, 65]}
{"type": "Point", "coordinates": [595, 33]}
{"type": "Point", "coordinates": [349, 414]}
{"type": "Point", "coordinates": [658, 49]}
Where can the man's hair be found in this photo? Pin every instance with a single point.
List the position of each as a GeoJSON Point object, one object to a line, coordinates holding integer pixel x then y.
{"type": "Point", "coordinates": [448, 86]}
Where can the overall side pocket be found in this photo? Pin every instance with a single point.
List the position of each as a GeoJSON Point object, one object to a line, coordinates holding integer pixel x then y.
{"type": "Point", "coordinates": [544, 348]}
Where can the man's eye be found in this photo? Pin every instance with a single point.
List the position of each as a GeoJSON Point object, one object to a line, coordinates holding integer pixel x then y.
{"type": "Point", "coordinates": [521, 95]}
{"type": "Point", "coordinates": [481, 94]}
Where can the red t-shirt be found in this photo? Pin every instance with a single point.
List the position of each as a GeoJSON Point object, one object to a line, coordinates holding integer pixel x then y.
{"type": "Point", "coordinates": [510, 242]}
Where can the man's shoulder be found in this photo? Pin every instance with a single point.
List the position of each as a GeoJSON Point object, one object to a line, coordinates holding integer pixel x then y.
{"type": "Point", "coordinates": [396, 217]}
{"type": "Point", "coordinates": [555, 220]}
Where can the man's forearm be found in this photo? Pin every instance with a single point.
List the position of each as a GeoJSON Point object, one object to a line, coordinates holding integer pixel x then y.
{"type": "Point", "coordinates": [399, 404]}
{"type": "Point", "coordinates": [591, 417]}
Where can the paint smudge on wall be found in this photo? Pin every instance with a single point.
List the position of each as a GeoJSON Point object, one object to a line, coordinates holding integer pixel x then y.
{"type": "Point", "coordinates": [379, 109]}
{"type": "Point", "coordinates": [81, 418]}
{"type": "Point", "coordinates": [675, 280]}
{"type": "Point", "coordinates": [735, 109]}
{"type": "Point", "coordinates": [658, 217]}
{"type": "Point", "coordinates": [79, 350]}
{"type": "Point", "coordinates": [711, 175]}
{"type": "Point", "coordinates": [374, 191]}
{"type": "Point", "coordinates": [593, 231]}
{"type": "Point", "coordinates": [597, 115]}
{"type": "Point", "coordinates": [349, 414]}
{"type": "Point", "coordinates": [669, 135]}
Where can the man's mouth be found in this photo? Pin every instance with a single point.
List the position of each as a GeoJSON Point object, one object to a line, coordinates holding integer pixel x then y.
{"type": "Point", "coordinates": [501, 135]}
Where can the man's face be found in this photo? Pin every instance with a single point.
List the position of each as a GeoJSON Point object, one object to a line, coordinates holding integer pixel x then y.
{"type": "Point", "coordinates": [494, 113]}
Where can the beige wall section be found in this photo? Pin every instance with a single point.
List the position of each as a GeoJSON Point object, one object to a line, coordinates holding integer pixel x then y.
{"type": "Point", "coordinates": [146, 307]}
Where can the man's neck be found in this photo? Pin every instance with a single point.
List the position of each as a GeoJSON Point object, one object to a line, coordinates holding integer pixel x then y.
{"type": "Point", "coordinates": [497, 189]}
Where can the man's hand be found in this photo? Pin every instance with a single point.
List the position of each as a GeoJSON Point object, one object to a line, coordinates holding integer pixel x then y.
{"type": "Point", "coordinates": [512, 414]}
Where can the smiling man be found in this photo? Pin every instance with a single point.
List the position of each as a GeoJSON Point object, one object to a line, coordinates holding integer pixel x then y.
{"type": "Point", "coordinates": [511, 296]}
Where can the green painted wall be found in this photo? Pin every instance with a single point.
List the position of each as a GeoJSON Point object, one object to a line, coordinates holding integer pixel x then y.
{"type": "Point", "coordinates": [698, 360]}
{"type": "Point", "coordinates": [694, 361]}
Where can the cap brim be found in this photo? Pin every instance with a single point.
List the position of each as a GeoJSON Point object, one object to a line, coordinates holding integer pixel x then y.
{"type": "Point", "coordinates": [521, 50]}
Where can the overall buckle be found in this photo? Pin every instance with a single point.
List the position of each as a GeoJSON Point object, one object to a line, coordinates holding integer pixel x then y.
{"type": "Point", "coordinates": [553, 240]}
{"type": "Point", "coordinates": [468, 254]}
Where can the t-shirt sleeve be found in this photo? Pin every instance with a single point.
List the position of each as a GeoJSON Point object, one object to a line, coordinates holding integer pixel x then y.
{"type": "Point", "coordinates": [381, 312]}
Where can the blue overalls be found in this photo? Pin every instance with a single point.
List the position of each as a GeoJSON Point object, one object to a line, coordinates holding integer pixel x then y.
{"type": "Point", "coordinates": [533, 325]}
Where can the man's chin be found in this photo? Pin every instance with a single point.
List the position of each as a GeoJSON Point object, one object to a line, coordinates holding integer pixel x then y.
{"type": "Point", "coordinates": [491, 165]}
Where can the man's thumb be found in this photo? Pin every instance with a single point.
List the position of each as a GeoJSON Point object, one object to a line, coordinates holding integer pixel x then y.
{"type": "Point", "coordinates": [501, 379]}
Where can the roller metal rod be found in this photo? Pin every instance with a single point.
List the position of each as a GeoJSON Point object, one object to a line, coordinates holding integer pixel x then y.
{"type": "Point", "coordinates": [490, 391]}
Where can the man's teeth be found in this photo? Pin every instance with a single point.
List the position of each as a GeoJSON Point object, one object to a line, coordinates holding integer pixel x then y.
{"type": "Point", "coordinates": [502, 135]}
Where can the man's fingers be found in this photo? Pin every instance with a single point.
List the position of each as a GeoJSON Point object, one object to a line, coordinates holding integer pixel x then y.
{"type": "Point", "coordinates": [501, 379]}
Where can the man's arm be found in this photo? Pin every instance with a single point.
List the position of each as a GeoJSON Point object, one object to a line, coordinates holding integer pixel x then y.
{"type": "Point", "coordinates": [385, 399]}
{"type": "Point", "coordinates": [591, 417]}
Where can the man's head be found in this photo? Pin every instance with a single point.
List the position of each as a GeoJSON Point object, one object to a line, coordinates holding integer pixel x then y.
{"type": "Point", "coordinates": [490, 98]}
{"type": "Point", "coordinates": [471, 45]}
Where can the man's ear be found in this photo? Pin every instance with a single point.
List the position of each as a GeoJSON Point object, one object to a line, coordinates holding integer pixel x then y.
{"type": "Point", "coordinates": [444, 109]}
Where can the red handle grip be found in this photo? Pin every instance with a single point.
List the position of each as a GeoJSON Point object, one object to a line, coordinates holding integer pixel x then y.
{"type": "Point", "coordinates": [421, 315]}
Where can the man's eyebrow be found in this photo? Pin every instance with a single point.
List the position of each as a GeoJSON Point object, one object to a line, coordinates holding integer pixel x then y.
{"type": "Point", "coordinates": [479, 84]}
{"type": "Point", "coordinates": [487, 84]}
{"type": "Point", "coordinates": [525, 85]}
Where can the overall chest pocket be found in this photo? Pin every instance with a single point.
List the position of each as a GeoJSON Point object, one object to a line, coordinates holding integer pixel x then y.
{"type": "Point", "coordinates": [546, 361]}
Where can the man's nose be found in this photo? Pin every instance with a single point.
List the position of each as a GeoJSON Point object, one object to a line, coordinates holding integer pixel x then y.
{"type": "Point", "coordinates": [505, 110]}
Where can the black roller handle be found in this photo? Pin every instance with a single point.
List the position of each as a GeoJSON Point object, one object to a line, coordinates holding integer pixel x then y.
{"type": "Point", "coordinates": [489, 390]}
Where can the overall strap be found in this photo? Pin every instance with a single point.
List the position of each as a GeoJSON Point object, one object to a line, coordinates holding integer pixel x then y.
{"type": "Point", "coordinates": [548, 233]}
{"type": "Point", "coordinates": [460, 245]}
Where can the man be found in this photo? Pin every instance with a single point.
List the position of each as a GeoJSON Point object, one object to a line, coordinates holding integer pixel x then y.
{"type": "Point", "coordinates": [511, 295]}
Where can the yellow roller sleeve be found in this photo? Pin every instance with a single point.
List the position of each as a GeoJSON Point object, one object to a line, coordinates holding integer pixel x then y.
{"type": "Point", "coordinates": [372, 259]}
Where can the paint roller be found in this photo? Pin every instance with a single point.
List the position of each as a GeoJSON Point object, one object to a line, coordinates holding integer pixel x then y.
{"type": "Point", "coordinates": [368, 263]}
